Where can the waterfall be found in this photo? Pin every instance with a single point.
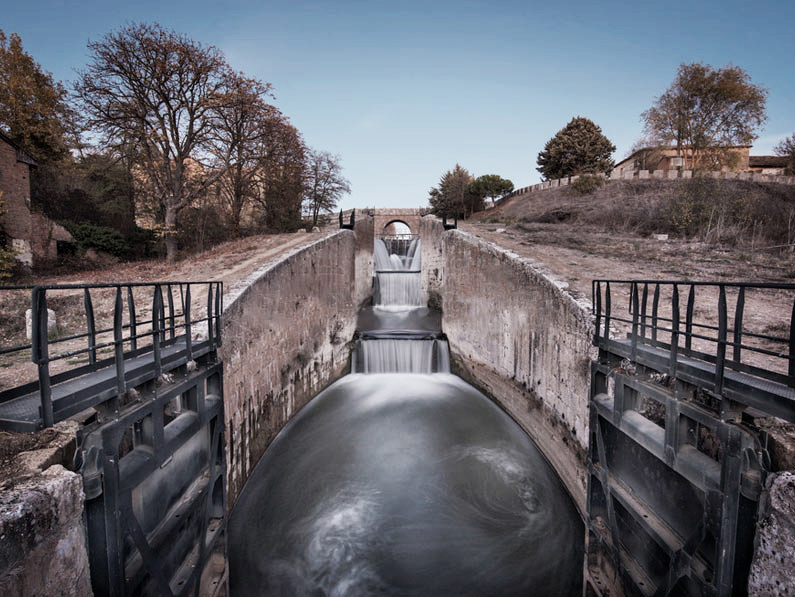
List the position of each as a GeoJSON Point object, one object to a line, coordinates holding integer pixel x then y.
{"type": "Point", "coordinates": [397, 276]}
{"type": "Point", "coordinates": [401, 355]}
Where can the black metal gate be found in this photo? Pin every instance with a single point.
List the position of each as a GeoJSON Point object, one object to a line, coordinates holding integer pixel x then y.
{"type": "Point", "coordinates": [141, 372]}
{"type": "Point", "coordinates": [676, 463]}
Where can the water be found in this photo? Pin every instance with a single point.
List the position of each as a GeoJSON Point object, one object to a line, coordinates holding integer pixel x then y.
{"type": "Point", "coordinates": [390, 484]}
{"type": "Point", "coordinates": [405, 484]}
{"type": "Point", "coordinates": [397, 276]}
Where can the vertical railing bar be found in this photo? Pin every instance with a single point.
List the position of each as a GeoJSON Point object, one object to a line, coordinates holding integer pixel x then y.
{"type": "Point", "coordinates": [635, 316]}
{"type": "Point", "coordinates": [157, 305]}
{"type": "Point", "coordinates": [118, 341]}
{"type": "Point", "coordinates": [720, 362]}
{"type": "Point", "coordinates": [173, 331]}
{"type": "Point", "coordinates": [655, 312]}
{"type": "Point", "coordinates": [738, 325]}
{"type": "Point", "coordinates": [188, 332]}
{"type": "Point", "coordinates": [643, 306]}
{"type": "Point", "coordinates": [607, 312]}
{"type": "Point", "coordinates": [133, 322]}
{"type": "Point", "coordinates": [219, 307]}
{"type": "Point", "coordinates": [674, 331]}
{"type": "Point", "coordinates": [596, 297]}
{"type": "Point", "coordinates": [90, 327]}
{"type": "Point", "coordinates": [209, 314]}
{"type": "Point", "coordinates": [791, 355]}
{"type": "Point", "coordinates": [40, 352]}
{"type": "Point", "coordinates": [691, 299]}
{"type": "Point", "coordinates": [161, 314]}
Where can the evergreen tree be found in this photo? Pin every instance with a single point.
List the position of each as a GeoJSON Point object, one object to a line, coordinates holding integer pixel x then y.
{"type": "Point", "coordinates": [453, 197]}
{"type": "Point", "coordinates": [578, 148]}
{"type": "Point", "coordinates": [490, 186]}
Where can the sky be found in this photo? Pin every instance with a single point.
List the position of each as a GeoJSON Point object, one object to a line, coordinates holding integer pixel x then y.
{"type": "Point", "coordinates": [402, 90]}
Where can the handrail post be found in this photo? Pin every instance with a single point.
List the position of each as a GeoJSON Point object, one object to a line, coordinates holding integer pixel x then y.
{"type": "Point", "coordinates": [791, 368]}
{"type": "Point", "coordinates": [607, 312]}
{"type": "Point", "coordinates": [219, 307]}
{"type": "Point", "coordinates": [635, 317]}
{"type": "Point", "coordinates": [40, 352]}
{"type": "Point", "coordinates": [157, 306]}
{"type": "Point", "coordinates": [91, 327]}
{"type": "Point", "coordinates": [691, 299]}
{"type": "Point", "coordinates": [596, 298]}
{"type": "Point", "coordinates": [188, 332]}
{"type": "Point", "coordinates": [674, 331]}
{"type": "Point", "coordinates": [118, 341]}
{"type": "Point", "coordinates": [720, 362]}
{"type": "Point", "coordinates": [738, 325]}
{"type": "Point", "coordinates": [133, 321]}
{"type": "Point", "coordinates": [172, 322]}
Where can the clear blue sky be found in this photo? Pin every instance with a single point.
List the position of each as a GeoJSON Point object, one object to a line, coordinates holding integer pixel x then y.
{"type": "Point", "coordinates": [404, 90]}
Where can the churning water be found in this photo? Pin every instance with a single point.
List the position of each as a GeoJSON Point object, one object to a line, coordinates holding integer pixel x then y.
{"type": "Point", "coordinates": [409, 484]}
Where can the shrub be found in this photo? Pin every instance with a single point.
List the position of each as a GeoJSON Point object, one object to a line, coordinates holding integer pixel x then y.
{"type": "Point", "coordinates": [7, 254]}
{"type": "Point", "coordinates": [587, 183]}
{"type": "Point", "coordinates": [101, 238]}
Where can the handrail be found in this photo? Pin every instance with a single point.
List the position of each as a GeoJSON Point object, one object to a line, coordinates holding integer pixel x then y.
{"type": "Point", "coordinates": [129, 336]}
{"type": "Point", "coordinates": [724, 340]}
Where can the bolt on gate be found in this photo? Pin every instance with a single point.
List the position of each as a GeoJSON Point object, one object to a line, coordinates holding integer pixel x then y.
{"type": "Point", "coordinates": [141, 374]}
{"type": "Point", "coordinates": [676, 459]}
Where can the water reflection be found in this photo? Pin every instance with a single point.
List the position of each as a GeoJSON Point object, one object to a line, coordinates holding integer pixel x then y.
{"type": "Point", "coordinates": [390, 484]}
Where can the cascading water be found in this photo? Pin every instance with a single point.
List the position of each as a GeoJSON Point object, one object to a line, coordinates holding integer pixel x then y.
{"type": "Point", "coordinates": [397, 277]}
{"type": "Point", "coordinates": [402, 479]}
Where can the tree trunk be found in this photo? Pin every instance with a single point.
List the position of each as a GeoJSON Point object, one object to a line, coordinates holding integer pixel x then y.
{"type": "Point", "coordinates": [170, 237]}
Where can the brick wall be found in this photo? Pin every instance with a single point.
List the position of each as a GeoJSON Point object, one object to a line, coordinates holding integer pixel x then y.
{"type": "Point", "coordinates": [15, 189]}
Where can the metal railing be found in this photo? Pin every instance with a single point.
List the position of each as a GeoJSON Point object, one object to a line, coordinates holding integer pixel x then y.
{"type": "Point", "coordinates": [745, 327]}
{"type": "Point", "coordinates": [128, 331]}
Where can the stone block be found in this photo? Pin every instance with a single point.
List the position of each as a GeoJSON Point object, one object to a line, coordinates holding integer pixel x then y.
{"type": "Point", "coordinates": [615, 175]}
{"type": "Point", "coordinates": [687, 174]}
{"type": "Point", "coordinates": [52, 323]}
{"type": "Point", "coordinates": [673, 174]}
{"type": "Point", "coordinates": [659, 174]}
{"type": "Point", "coordinates": [628, 174]}
{"type": "Point", "coordinates": [643, 174]}
{"type": "Point", "coordinates": [773, 566]}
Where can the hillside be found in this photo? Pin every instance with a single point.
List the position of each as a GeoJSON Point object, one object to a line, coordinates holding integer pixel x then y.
{"type": "Point", "coordinates": [716, 230]}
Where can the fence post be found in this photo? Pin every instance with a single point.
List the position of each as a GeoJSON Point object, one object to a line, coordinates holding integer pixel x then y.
{"type": "Point", "coordinates": [90, 327]}
{"type": "Point", "coordinates": [40, 352]}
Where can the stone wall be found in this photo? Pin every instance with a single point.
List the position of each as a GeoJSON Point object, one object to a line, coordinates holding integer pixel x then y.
{"type": "Point", "coordinates": [655, 174]}
{"type": "Point", "coordinates": [286, 337]}
{"type": "Point", "coordinates": [519, 336]}
{"type": "Point", "coordinates": [15, 193]}
{"type": "Point", "coordinates": [42, 538]}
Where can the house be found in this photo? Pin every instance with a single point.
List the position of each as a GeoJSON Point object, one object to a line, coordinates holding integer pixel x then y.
{"type": "Point", "coordinates": [731, 159]}
{"type": "Point", "coordinates": [768, 164]}
{"type": "Point", "coordinates": [15, 167]}
{"type": "Point", "coordinates": [34, 237]}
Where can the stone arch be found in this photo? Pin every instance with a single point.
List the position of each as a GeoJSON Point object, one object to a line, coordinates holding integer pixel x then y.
{"type": "Point", "coordinates": [398, 227]}
{"type": "Point", "coordinates": [382, 217]}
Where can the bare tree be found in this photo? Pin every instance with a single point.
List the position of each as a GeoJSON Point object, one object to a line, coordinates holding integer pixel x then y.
{"type": "Point", "coordinates": [705, 111]}
{"type": "Point", "coordinates": [160, 91]}
{"type": "Point", "coordinates": [281, 178]}
{"type": "Point", "coordinates": [242, 131]}
{"type": "Point", "coordinates": [323, 183]}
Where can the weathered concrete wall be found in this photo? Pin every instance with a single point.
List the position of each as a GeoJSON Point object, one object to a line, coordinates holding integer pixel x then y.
{"type": "Point", "coordinates": [432, 235]}
{"type": "Point", "coordinates": [518, 335]}
{"type": "Point", "coordinates": [42, 538]}
{"type": "Point", "coordinates": [364, 262]}
{"type": "Point", "coordinates": [285, 338]}
{"type": "Point", "coordinates": [773, 568]}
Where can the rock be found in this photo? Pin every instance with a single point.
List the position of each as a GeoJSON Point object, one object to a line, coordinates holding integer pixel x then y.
{"type": "Point", "coordinates": [52, 323]}
{"type": "Point", "coordinates": [773, 567]}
